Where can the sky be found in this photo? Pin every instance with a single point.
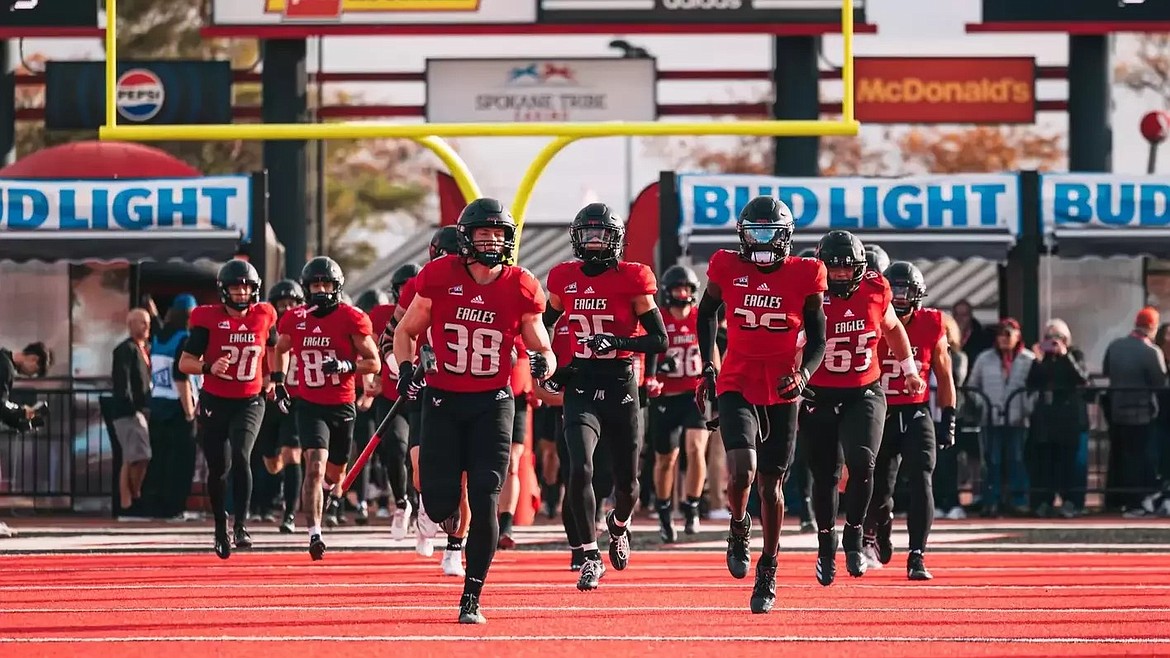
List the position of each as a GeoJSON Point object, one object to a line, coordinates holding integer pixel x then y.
{"type": "Point", "coordinates": [596, 169]}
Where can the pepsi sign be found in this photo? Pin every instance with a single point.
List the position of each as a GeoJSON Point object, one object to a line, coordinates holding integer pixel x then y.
{"type": "Point", "coordinates": [140, 95]}
{"type": "Point", "coordinates": [147, 92]}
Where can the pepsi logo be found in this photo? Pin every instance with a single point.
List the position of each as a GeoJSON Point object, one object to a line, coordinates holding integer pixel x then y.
{"type": "Point", "coordinates": [140, 95]}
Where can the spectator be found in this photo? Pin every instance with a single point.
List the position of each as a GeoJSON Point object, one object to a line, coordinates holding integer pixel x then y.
{"type": "Point", "coordinates": [130, 409]}
{"type": "Point", "coordinates": [946, 471]}
{"type": "Point", "coordinates": [973, 336]}
{"type": "Point", "coordinates": [1136, 370]}
{"type": "Point", "coordinates": [1058, 444]}
{"type": "Point", "coordinates": [172, 415]}
{"type": "Point", "coordinates": [1000, 373]}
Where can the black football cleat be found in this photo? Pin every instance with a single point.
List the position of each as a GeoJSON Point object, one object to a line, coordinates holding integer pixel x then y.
{"type": "Point", "coordinates": [362, 517]}
{"type": "Point", "coordinates": [854, 555]}
{"type": "Point", "coordinates": [469, 610]}
{"type": "Point", "coordinates": [916, 567]}
{"type": "Point", "coordinates": [827, 557]}
{"type": "Point", "coordinates": [739, 553]}
{"type": "Point", "coordinates": [691, 514]}
{"type": "Point", "coordinates": [591, 573]}
{"type": "Point", "coordinates": [242, 539]}
{"type": "Point", "coordinates": [885, 547]}
{"type": "Point", "coordinates": [666, 529]}
{"type": "Point", "coordinates": [223, 544]}
{"type": "Point", "coordinates": [764, 591]}
{"type": "Point", "coordinates": [577, 560]}
{"type": "Point", "coordinates": [316, 548]}
{"type": "Point", "coordinates": [288, 525]}
{"type": "Point", "coordinates": [619, 542]}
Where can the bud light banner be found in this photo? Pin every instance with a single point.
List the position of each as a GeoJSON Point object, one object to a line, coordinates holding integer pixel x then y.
{"type": "Point", "coordinates": [156, 92]}
{"type": "Point", "coordinates": [131, 219]}
{"type": "Point", "coordinates": [1106, 214]}
{"type": "Point", "coordinates": [980, 211]}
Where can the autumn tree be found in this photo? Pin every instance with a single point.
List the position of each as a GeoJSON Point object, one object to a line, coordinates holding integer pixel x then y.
{"type": "Point", "coordinates": [368, 182]}
{"type": "Point", "coordinates": [1149, 70]}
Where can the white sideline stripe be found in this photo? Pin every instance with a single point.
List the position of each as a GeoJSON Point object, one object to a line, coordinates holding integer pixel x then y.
{"type": "Point", "coordinates": [567, 584]}
{"type": "Point", "coordinates": [526, 568]}
{"type": "Point", "coordinates": [568, 608]}
{"type": "Point", "coordinates": [333, 639]}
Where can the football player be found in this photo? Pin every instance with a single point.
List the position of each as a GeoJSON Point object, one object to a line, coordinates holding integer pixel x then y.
{"type": "Point", "coordinates": [279, 441]}
{"type": "Point", "coordinates": [674, 419]}
{"type": "Point", "coordinates": [510, 494]}
{"type": "Point", "coordinates": [606, 299]}
{"type": "Point", "coordinates": [909, 438]}
{"type": "Point", "coordinates": [876, 258]}
{"type": "Point", "coordinates": [334, 345]}
{"type": "Point", "coordinates": [444, 242]}
{"type": "Point", "coordinates": [473, 306]}
{"type": "Point", "coordinates": [394, 447]}
{"type": "Point", "coordinates": [227, 343]}
{"type": "Point", "coordinates": [770, 298]}
{"type": "Point", "coordinates": [844, 407]}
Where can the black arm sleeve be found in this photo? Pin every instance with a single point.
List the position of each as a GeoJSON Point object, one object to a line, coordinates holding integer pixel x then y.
{"type": "Point", "coordinates": [7, 374]}
{"type": "Point", "coordinates": [176, 374]}
{"type": "Point", "coordinates": [653, 341]}
{"type": "Point", "coordinates": [197, 342]}
{"type": "Point", "coordinates": [708, 324]}
{"type": "Point", "coordinates": [814, 332]}
{"type": "Point", "coordinates": [651, 365]}
{"type": "Point", "coordinates": [273, 335]}
{"type": "Point", "coordinates": [551, 315]}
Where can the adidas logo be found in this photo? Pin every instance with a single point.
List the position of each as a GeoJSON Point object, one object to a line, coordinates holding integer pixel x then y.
{"type": "Point", "coordinates": [316, 330]}
{"type": "Point", "coordinates": [478, 299]}
{"type": "Point", "coordinates": [589, 290]}
{"type": "Point", "coordinates": [628, 399]}
{"type": "Point", "coordinates": [243, 327]}
{"type": "Point", "coordinates": [920, 414]}
{"type": "Point", "coordinates": [848, 313]}
{"type": "Point", "coordinates": [763, 286]}
{"type": "Point", "coordinates": [502, 395]}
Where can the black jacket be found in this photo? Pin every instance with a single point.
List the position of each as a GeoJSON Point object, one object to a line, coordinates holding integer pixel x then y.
{"type": "Point", "coordinates": [1060, 413]}
{"type": "Point", "coordinates": [132, 383]}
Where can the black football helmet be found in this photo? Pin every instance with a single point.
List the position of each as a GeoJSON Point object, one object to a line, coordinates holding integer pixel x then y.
{"type": "Point", "coordinates": [236, 273]}
{"type": "Point", "coordinates": [838, 249]}
{"type": "Point", "coordinates": [876, 258]}
{"type": "Point", "coordinates": [323, 269]}
{"type": "Point", "coordinates": [598, 235]}
{"type": "Point", "coordinates": [404, 273]}
{"type": "Point", "coordinates": [678, 276]}
{"type": "Point", "coordinates": [371, 298]}
{"type": "Point", "coordinates": [907, 285]}
{"type": "Point", "coordinates": [486, 213]}
{"type": "Point", "coordinates": [808, 252]}
{"type": "Point", "coordinates": [286, 289]}
{"type": "Point", "coordinates": [765, 229]}
{"type": "Point", "coordinates": [445, 241]}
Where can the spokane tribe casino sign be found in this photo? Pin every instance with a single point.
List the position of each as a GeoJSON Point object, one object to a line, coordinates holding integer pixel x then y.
{"type": "Point", "coordinates": [697, 11]}
{"type": "Point", "coordinates": [48, 13]}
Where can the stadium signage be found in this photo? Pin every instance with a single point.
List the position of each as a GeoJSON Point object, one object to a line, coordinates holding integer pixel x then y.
{"type": "Point", "coordinates": [1104, 201]}
{"type": "Point", "coordinates": [946, 89]}
{"type": "Point", "coordinates": [126, 206]}
{"type": "Point", "coordinates": [1067, 11]}
{"type": "Point", "coordinates": [696, 11]}
{"type": "Point", "coordinates": [975, 202]}
{"type": "Point", "coordinates": [48, 13]}
{"type": "Point", "coordinates": [371, 12]}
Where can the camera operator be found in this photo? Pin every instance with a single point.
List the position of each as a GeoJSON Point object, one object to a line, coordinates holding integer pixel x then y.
{"type": "Point", "coordinates": [33, 361]}
{"type": "Point", "coordinates": [1058, 449]}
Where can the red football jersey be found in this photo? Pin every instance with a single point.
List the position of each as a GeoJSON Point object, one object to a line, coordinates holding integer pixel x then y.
{"type": "Point", "coordinates": [765, 316]}
{"type": "Point", "coordinates": [474, 326]}
{"type": "Point", "coordinates": [562, 342]}
{"type": "Point", "coordinates": [521, 369]}
{"type": "Point", "coordinates": [682, 341]}
{"type": "Point", "coordinates": [243, 339]}
{"type": "Point", "coordinates": [852, 329]}
{"type": "Point", "coordinates": [380, 317]}
{"type": "Point", "coordinates": [601, 304]}
{"type": "Point", "coordinates": [406, 294]}
{"type": "Point", "coordinates": [315, 339]}
{"type": "Point", "coordinates": [925, 329]}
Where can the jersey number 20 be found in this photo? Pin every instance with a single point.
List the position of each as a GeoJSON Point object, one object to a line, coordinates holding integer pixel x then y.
{"type": "Point", "coordinates": [245, 359]}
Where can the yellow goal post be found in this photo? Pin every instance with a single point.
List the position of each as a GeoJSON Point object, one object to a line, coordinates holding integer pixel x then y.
{"type": "Point", "coordinates": [430, 135]}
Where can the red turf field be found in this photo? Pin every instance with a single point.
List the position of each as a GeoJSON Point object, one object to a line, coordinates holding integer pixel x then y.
{"type": "Point", "coordinates": [666, 604]}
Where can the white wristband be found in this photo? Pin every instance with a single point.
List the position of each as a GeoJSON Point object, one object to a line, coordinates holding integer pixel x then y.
{"type": "Point", "coordinates": [908, 365]}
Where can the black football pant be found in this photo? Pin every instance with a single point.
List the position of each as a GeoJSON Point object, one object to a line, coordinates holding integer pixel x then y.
{"type": "Point", "coordinates": [469, 432]}
{"type": "Point", "coordinates": [602, 404]}
{"type": "Point", "coordinates": [909, 443]}
{"type": "Point", "coordinates": [227, 429]}
{"type": "Point", "coordinates": [842, 426]}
